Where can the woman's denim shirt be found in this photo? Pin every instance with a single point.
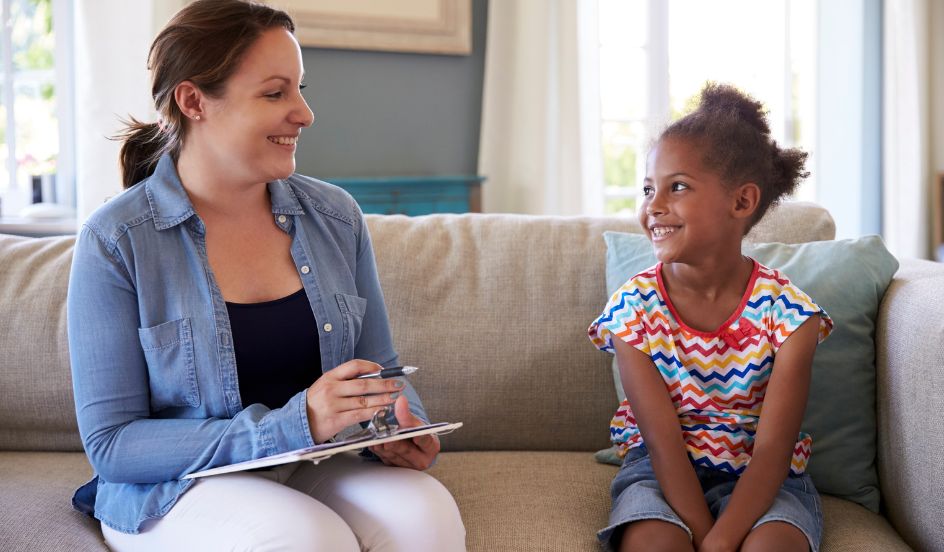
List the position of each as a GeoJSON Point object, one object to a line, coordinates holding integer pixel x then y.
{"type": "Point", "coordinates": [153, 364]}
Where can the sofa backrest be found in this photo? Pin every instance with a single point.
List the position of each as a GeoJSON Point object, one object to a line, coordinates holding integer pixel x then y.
{"type": "Point", "coordinates": [494, 308]}
{"type": "Point", "coordinates": [36, 408]}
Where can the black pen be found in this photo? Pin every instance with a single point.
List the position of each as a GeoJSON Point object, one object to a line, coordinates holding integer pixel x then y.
{"type": "Point", "coordinates": [394, 372]}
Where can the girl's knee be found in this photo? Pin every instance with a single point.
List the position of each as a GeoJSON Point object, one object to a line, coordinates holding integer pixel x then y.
{"type": "Point", "coordinates": [654, 535]}
{"type": "Point", "coordinates": [776, 536]}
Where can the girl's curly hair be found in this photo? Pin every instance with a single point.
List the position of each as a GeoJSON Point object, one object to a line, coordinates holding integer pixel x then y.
{"type": "Point", "coordinates": [731, 129]}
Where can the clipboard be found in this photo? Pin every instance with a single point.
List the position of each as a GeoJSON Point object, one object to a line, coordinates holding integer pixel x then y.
{"type": "Point", "coordinates": [374, 434]}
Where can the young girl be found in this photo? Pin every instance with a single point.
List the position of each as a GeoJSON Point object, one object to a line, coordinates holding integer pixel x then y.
{"type": "Point", "coordinates": [707, 340]}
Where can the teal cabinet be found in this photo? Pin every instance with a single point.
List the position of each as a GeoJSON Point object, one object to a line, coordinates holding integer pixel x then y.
{"type": "Point", "coordinates": [421, 195]}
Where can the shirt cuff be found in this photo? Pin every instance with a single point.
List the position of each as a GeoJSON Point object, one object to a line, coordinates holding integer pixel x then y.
{"type": "Point", "coordinates": [286, 429]}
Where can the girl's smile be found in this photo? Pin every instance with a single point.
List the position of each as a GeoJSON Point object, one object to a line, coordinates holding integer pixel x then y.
{"type": "Point", "coordinates": [659, 232]}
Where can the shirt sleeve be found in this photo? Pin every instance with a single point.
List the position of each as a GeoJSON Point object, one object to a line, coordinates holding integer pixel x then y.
{"type": "Point", "coordinates": [791, 309]}
{"type": "Point", "coordinates": [625, 317]}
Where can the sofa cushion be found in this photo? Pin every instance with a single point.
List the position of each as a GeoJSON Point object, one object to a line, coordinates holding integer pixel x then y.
{"type": "Point", "coordinates": [514, 501]}
{"type": "Point", "coordinates": [849, 527]}
{"type": "Point", "coordinates": [37, 411]}
{"type": "Point", "coordinates": [847, 278]}
{"type": "Point", "coordinates": [35, 503]}
{"type": "Point", "coordinates": [556, 501]}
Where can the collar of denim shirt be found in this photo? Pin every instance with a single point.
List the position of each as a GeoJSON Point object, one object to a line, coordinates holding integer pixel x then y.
{"type": "Point", "coordinates": [170, 205]}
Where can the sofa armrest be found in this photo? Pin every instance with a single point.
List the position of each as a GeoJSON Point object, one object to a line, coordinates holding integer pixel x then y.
{"type": "Point", "coordinates": [910, 389]}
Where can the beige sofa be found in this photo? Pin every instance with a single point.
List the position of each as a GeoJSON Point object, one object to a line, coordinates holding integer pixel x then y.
{"type": "Point", "coordinates": [495, 309]}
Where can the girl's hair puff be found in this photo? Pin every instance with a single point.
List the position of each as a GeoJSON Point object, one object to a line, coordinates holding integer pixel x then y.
{"type": "Point", "coordinates": [730, 127]}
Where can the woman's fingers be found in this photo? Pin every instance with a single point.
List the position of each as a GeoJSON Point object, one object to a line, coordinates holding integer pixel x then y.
{"type": "Point", "coordinates": [359, 387]}
{"type": "Point", "coordinates": [390, 456]}
{"type": "Point", "coordinates": [370, 402]}
{"type": "Point", "coordinates": [405, 454]}
{"type": "Point", "coordinates": [352, 368]}
{"type": "Point", "coordinates": [405, 418]}
{"type": "Point", "coordinates": [351, 417]}
{"type": "Point", "coordinates": [428, 444]}
{"type": "Point", "coordinates": [342, 381]}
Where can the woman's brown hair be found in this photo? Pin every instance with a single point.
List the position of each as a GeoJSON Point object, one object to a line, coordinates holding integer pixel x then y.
{"type": "Point", "coordinates": [203, 43]}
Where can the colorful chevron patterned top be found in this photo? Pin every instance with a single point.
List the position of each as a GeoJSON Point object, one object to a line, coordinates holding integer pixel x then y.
{"type": "Point", "coordinates": [717, 380]}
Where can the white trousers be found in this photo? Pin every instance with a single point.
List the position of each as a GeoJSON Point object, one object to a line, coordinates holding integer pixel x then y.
{"type": "Point", "coordinates": [343, 504]}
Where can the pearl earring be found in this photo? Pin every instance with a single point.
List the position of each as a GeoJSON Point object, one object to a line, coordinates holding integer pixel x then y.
{"type": "Point", "coordinates": [196, 117]}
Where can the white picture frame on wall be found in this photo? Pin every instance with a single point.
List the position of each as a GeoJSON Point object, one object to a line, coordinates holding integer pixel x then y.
{"type": "Point", "coordinates": [416, 26]}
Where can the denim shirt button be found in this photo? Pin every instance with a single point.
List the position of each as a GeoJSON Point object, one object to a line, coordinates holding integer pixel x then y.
{"type": "Point", "coordinates": [328, 327]}
{"type": "Point", "coordinates": [282, 219]}
{"type": "Point", "coordinates": [305, 269]}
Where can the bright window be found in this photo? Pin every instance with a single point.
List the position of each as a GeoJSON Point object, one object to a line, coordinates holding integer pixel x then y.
{"type": "Point", "coordinates": [655, 55]}
{"type": "Point", "coordinates": [30, 105]}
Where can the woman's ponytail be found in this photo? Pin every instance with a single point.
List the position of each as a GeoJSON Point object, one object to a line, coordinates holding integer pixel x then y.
{"type": "Point", "coordinates": [142, 147]}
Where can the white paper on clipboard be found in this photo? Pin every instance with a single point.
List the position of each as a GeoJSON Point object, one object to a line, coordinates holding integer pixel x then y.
{"type": "Point", "coordinates": [318, 453]}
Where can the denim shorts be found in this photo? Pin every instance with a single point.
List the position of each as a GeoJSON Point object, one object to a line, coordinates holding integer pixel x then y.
{"type": "Point", "coordinates": [636, 496]}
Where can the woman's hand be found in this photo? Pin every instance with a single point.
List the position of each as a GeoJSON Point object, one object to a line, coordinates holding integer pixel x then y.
{"type": "Point", "coordinates": [417, 453]}
{"type": "Point", "coordinates": [337, 400]}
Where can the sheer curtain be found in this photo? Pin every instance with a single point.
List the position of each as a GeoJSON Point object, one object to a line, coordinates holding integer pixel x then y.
{"type": "Point", "coordinates": [906, 133]}
{"type": "Point", "coordinates": [539, 145]}
{"type": "Point", "coordinates": [112, 38]}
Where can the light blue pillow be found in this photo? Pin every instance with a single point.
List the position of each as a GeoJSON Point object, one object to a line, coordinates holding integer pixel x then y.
{"type": "Point", "coordinates": [847, 278]}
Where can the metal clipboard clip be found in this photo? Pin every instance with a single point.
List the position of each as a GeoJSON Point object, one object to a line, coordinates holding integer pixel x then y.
{"type": "Point", "coordinates": [378, 426]}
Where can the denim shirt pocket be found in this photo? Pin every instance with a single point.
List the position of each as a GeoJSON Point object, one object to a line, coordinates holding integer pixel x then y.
{"type": "Point", "coordinates": [172, 375]}
{"type": "Point", "coordinates": [353, 309]}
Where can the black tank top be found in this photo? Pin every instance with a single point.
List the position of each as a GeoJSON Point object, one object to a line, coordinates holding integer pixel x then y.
{"type": "Point", "coordinates": [277, 351]}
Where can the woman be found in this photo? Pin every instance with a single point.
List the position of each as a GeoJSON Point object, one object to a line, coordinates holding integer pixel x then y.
{"type": "Point", "coordinates": [220, 310]}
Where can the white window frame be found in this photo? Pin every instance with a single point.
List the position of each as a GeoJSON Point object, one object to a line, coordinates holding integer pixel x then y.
{"type": "Point", "coordinates": [65, 158]}
{"type": "Point", "coordinates": [63, 22]}
{"type": "Point", "coordinates": [659, 109]}
{"type": "Point", "coordinates": [6, 46]}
